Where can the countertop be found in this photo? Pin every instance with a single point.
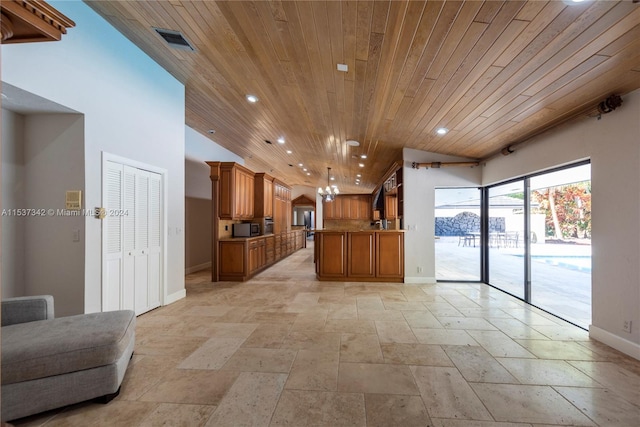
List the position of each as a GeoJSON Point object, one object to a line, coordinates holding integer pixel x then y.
{"type": "Point", "coordinates": [324, 230]}
{"type": "Point", "coordinates": [243, 239]}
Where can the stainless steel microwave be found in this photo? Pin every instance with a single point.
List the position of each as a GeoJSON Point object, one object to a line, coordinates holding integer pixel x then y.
{"type": "Point", "coordinates": [246, 229]}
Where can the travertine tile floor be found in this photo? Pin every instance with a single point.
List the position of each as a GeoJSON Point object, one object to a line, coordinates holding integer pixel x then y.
{"type": "Point", "coordinates": [285, 349]}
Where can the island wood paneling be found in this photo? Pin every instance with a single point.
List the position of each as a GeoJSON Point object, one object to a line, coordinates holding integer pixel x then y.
{"type": "Point", "coordinates": [361, 262]}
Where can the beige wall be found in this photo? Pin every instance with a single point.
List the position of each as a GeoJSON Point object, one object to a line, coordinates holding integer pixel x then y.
{"type": "Point", "coordinates": [197, 234]}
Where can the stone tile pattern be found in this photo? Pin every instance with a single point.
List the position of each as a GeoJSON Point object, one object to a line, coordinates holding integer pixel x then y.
{"type": "Point", "coordinates": [285, 349]}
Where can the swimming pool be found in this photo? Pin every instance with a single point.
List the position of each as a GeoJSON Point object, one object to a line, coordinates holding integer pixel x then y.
{"type": "Point", "coordinates": [578, 262]}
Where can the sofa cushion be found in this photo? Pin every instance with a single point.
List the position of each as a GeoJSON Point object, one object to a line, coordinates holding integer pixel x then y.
{"type": "Point", "coordinates": [67, 344]}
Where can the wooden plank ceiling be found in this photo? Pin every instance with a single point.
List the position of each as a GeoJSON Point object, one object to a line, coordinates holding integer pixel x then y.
{"type": "Point", "coordinates": [492, 72]}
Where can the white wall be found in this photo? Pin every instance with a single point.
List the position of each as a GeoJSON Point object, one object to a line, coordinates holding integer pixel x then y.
{"type": "Point", "coordinates": [12, 198]}
{"type": "Point", "coordinates": [613, 145]}
{"type": "Point", "coordinates": [198, 150]}
{"type": "Point", "coordinates": [133, 108]}
{"type": "Point", "coordinates": [419, 202]}
{"type": "Point", "coordinates": [299, 190]}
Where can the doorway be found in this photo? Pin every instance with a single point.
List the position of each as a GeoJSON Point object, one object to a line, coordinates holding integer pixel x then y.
{"type": "Point", "coordinates": [303, 214]}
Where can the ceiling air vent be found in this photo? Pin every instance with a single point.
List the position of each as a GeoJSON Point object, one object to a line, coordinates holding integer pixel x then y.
{"type": "Point", "coordinates": [175, 39]}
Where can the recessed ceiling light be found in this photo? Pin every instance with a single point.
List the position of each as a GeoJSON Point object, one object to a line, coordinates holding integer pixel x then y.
{"type": "Point", "coordinates": [211, 131]}
{"type": "Point", "coordinates": [363, 156]}
{"type": "Point", "coordinates": [252, 99]}
{"type": "Point", "coordinates": [308, 173]}
{"type": "Point", "coordinates": [300, 164]}
{"type": "Point", "coordinates": [289, 151]}
{"type": "Point", "coordinates": [343, 67]}
{"type": "Point", "coordinates": [357, 183]}
{"type": "Point", "coordinates": [304, 170]}
{"type": "Point", "coordinates": [442, 131]}
{"type": "Point", "coordinates": [267, 141]}
{"type": "Point", "coordinates": [281, 140]}
{"type": "Point", "coordinates": [359, 176]}
{"type": "Point", "coordinates": [361, 165]}
{"type": "Point", "coordinates": [333, 178]}
{"type": "Point", "coordinates": [353, 143]}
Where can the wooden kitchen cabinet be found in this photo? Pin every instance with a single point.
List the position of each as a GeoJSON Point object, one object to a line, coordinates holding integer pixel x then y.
{"type": "Point", "coordinates": [232, 260]}
{"type": "Point", "coordinates": [270, 250]}
{"type": "Point", "coordinates": [242, 258]}
{"type": "Point", "coordinates": [263, 205]}
{"type": "Point", "coordinates": [390, 255]}
{"type": "Point", "coordinates": [281, 207]}
{"type": "Point", "coordinates": [332, 249]}
{"type": "Point", "coordinates": [391, 207]}
{"type": "Point", "coordinates": [348, 206]}
{"type": "Point", "coordinates": [236, 192]}
{"type": "Point", "coordinates": [257, 254]}
{"type": "Point", "coordinates": [360, 256]}
{"type": "Point", "coordinates": [361, 262]}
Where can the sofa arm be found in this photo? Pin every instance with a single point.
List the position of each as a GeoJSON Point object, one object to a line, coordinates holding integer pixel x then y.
{"type": "Point", "coordinates": [26, 309]}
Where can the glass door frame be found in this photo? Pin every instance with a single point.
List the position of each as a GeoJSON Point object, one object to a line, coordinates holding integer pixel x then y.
{"type": "Point", "coordinates": [484, 229]}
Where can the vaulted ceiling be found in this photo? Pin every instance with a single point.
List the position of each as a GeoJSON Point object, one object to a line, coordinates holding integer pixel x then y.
{"type": "Point", "coordinates": [491, 72]}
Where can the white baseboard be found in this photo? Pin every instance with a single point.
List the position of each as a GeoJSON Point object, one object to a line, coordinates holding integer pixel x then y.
{"type": "Point", "coordinates": [176, 296]}
{"type": "Point", "coordinates": [627, 347]}
{"type": "Point", "coordinates": [420, 280]}
{"type": "Point", "coordinates": [198, 267]}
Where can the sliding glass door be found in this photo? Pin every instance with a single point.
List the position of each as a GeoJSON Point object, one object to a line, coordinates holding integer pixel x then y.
{"type": "Point", "coordinates": [457, 232]}
{"type": "Point", "coordinates": [506, 230]}
{"type": "Point", "coordinates": [539, 241]}
{"type": "Point", "coordinates": [561, 243]}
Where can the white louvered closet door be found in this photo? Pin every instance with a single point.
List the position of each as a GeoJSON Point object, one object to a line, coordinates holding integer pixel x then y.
{"type": "Point", "coordinates": [139, 260]}
{"type": "Point", "coordinates": [112, 268]}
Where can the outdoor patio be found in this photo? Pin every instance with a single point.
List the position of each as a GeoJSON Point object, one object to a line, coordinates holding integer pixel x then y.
{"type": "Point", "coordinates": [560, 273]}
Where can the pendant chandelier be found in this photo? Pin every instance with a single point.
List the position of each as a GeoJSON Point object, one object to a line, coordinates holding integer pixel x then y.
{"type": "Point", "coordinates": [330, 192]}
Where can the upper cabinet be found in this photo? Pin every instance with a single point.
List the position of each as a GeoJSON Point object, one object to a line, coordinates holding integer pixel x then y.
{"type": "Point", "coordinates": [393, 191]}
{"type": "Point", "coordinates": [281, 207]}
{"type": "Point", "coordinates": [236, 190]}
{"type": "Point", "coordinates": [391, 207]}
{"type": "Point", "coordinates": [348, 206]}
{"type": "Point", "coordinates": [263, 196]}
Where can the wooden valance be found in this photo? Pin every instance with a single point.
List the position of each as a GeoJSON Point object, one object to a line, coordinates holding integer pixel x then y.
{"type": "Point", "coordinates": [25, 21]}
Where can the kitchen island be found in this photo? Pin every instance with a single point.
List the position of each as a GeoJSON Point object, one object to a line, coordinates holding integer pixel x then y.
{"type": "Point", "coordinates": [360, 256]}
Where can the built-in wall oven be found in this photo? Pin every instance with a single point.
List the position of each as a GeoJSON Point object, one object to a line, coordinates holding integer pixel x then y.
{"type": "Point", "coordinates": [268, 226]}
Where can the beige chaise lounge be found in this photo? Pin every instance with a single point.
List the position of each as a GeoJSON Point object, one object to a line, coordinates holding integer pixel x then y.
{"type": "Point", "coordinates": [48, 363]}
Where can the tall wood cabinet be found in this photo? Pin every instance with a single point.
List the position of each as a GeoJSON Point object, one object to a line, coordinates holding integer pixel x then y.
{"type": "Point", "coordinates": [281, 207]}
{"type": "Point", "coordinates": [263, 196]}
{"type": "Point", "coordinates": [236, 191]}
